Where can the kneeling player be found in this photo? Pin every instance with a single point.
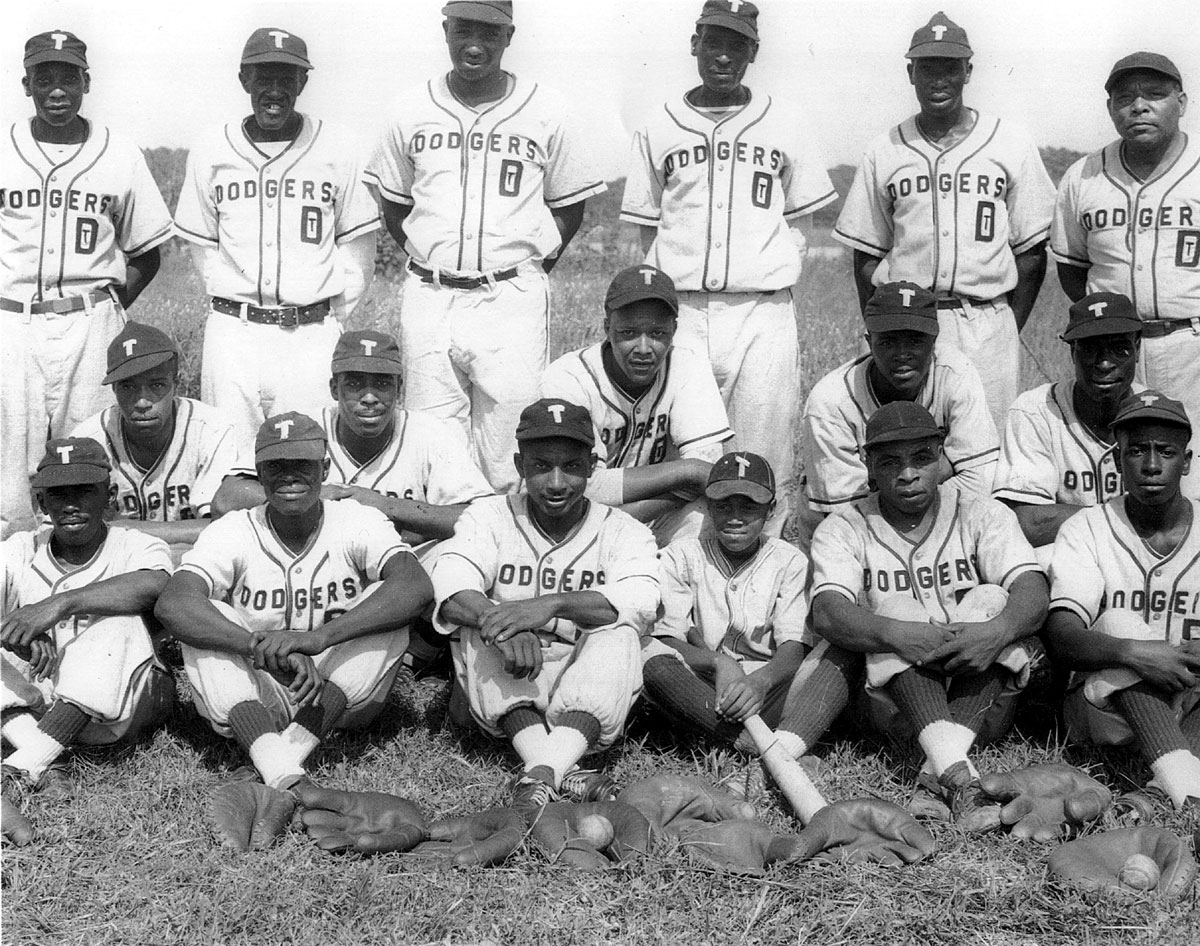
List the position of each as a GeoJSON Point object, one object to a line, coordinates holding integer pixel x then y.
{"type": "Point", "coordinates": [1126, 599]}
{"type": "Point", "coordinates": [77, 662]}
{"type": "Point", "coordinates": [293, 615]}
{"type": "Point", "coordinates": [547, 594]}
{"type": "Point", "coordinates": [938, 591]}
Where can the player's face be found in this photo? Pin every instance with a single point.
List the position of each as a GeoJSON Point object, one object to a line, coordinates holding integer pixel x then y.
{"type": "Point", "coordinates": [147, 401]}
{"type": "Point", "coordinates": [903, 359]}
{"type": "Point", "coordinates": [1153, 458]}
{"type": "Point", "coordinates": [640, 336]}
{"type": "Point", "coordinates": [76, 512]}
{"type": "Point", "coordinates": [738, 521]}
{"type": "Point", "coordinates": [1104, 366]}
{"type": "Point", "coordinates": [366, 401]}
{"type": "Point", "coordinates": [556, 472]}
{"type": "Point", "coordinates": [57, 90]}
{"type": "Point", "coordinates": [292, 486]}
{"type": "Point", "coordinates": [722, 58]}
{"type": "Point", "coordinates": [938, 84]}
{"type": "Point", "coordinates": [273, 88]}
{"type": "Point", "coordinates": [906, 474]}
{"type": "Point", "coordinates": [1145, 108]}
{"type": "Point", "coordinates": [476, 48]}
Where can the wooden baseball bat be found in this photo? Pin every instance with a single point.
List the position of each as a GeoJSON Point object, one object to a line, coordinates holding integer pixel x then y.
{"type": "Point", "coordinates": [792, 780]}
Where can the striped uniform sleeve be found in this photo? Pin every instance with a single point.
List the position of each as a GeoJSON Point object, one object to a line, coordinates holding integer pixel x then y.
{"type": "Point", "coordinates": [971, 446]}
{"type": "Point", "coordinates": [356, 212]}
{"type": "Point", "coordinates": [1026, 472]}
{"type": "Point", "coordinates": [145, 221]}
{"type": "Point", "coordinates": [834, 471]}
{"type": "Point", "coordinates": [391, 170]}
{"type": "Point", "coordinates": [629, 559]}
{"type": "Point", "coordinates": [642, 200]}
{"type": "Point", "coordinates": [468, 561]}
{"type": "Point", "coordinates": [837, 559]}
{"type": "Point", "coordinates": [699, 422]}
{"type": "Point", "coordinates": [196, 212]}
{"type": "Point", "coordinates": [1030, 199]}
{"type": "Point", "coordinates": [571, 175]}
{"type": "Point", "coordinates": [806, 183]}
{"type": "Point", "coordinates": [217, 556]}
{"type": "Point", "coordinates": [1068, 238]}
{"type": "Point", "coordinates": [1002, 552]}
{"type": "Point", "coordinates": [789, 617]}
{"type": "Point", "coordinates": [142, 552]}
{"type": "Point", "coordinates": [375, 539]}
{"type": "Point", "coordinates": [1076, 579]}
{"type": "Point", "coordinates": [675, 617]}
{"type": "Point", "coordinates": [220, 456]}
{"type": "Point", "coordinates": [865, 223]}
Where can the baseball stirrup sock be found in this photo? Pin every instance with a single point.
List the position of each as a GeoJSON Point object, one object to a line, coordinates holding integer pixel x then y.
{"type": "Point", "coordinates": [56, 730]}
{"type": "Point", "coordinates": [1190, 724]}
{"type": "Point", "coordinates": [526, 729]}
{"type": "Point", "coordinates": [565, 746]}
{"type": "Point", "coordinates": [685, 697]}
{"type": "Point", "coordinates": [815, 699]}
{"type": "Point", "coordinates": [314, 722]}
{"type": "Point", "coordinates": [972, 696]}
{"type": "Point", "coordinates": [921, 694]}
{"type": "Point", "coordinates": [1152, 718]}
{"type": "Point", "coordinates": [249, 721]}
{"type": "Point", "coordinates": [19, 728]}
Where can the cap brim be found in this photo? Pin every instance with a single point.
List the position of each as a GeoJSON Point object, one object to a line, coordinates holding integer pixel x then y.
{"type": "Point", "coordinates": [70, 474]}
{"type": "Point", "coordinates": [1114, 76]}
{"type": "Point", "coordinates": [906, 434]}
{"type": "Point", "coordinates": [551, 432]}
{"type": "Point", "coordinates": [756, 492]}
{"type": "Point", "coordinates": [1095, 327]}
{"type": "Point", "coordinates": [480, 12]}
{"type": "Point", "coordinates": [289, 59]}
{"type": "Point", "coordinates": [291, 450]}
{"type": "Point", "coordinates": [1153, 415]}
{"type": "Point", "coordinates": [939, 51]}
{"type": "Point", "coordinates": [734, 23]}
{"type": "Point", "coordinates": [886, 322]}
{"type": "Point", "coordinates": [366, 365]}
{"type": "Point", "coordinates": [136, 366]}
{"type": "Point", "coordinates": [629, 298]}
{"type": "Point", "coordinates": [55, 55]}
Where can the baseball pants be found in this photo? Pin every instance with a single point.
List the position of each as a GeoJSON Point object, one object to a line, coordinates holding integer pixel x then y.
{"type": "Point", "coordinates": [986, 332]}
{"type": "Point", "coordinates": [1171, 364]}
{"type": "Point", "coordinates": [476, 356]}
{"type": "Point", "coordinates": [51, 368]}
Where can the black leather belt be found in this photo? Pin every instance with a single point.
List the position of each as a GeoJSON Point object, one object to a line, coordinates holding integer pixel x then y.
{"type": "Point", "coordinates": [956, 302]}
{"type": "Point", "coordinates": [1157, 328]}
{"type": "Point", "coordinates": [460, 282]}
{"type": "Point", "coordinates": [58, 306]}
{"type": "Point", "coordinates": [288, 316]}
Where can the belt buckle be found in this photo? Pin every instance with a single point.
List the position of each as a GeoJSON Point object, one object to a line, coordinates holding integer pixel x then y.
{"type": "Point", "coordinates": [289, 317]}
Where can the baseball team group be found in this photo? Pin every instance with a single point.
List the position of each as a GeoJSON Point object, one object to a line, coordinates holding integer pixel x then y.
{"type": "Point", "coordinates": [342, 509]}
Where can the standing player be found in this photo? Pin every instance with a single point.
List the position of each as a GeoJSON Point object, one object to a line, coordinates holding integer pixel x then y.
{"type": "Point", "coordinates": [1125, 602]}
{"type": "Point", "coordinates": [547, 595]}
{"type": "Point", "coordinates": [719, 183]}
{"type": "Point", "coordinates": [293, 615]}
{"type": "Point", "coordinates": [657, 410]}
{"type": "Point", "coordinates": [288, 234]}
{"type": "Point", "coordinates": [958, 202]}
{"type": "Point", "coordinates": [1059, 450]}
{"type": "Point", "coordinates": [81, 220]}
{"type": "Point", "coordinates": [482, 183]}
{"type": "Point", "coordinates": [1127, 220]}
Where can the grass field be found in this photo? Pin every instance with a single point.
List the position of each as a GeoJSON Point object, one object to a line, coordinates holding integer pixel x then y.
{"type": "Point", "coordinates": [131, 860]}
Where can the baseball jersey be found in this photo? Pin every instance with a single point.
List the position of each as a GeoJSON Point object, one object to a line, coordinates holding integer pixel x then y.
{"type": "Point", "coordinates": [1100, 562]}
{"type": "Point", "coordinates": [274, 588]}
{"type": "Point", "coordinates": [971, 542]}
{"type": "Point", "coordinates": [184, 479]}
{"type": "Point", "coordinates": [69, 219]}
{"type": "Point", "coordinates": [499, 551]}
{"type": "Point", "coordinates": [721, 193]}
{"type": "Point", "coordinates": [949, 219]}
{"type": "Point", "coordinates": [834, 428]}
{"type": "Point", "coordinates": [747, 611]}
{"type": "Point", "coordinates": [680, 416]}
{"type": "Point", "coordinates": [1049, 456]}
{"type": "Point", "coordinates": [481, 182]}
{"type": "Point", "coordinates": [1141, 239]}
{"type": "Point", "coordinates": [274, 216]}
{"type": "Point", "coordinates": [426, 459]}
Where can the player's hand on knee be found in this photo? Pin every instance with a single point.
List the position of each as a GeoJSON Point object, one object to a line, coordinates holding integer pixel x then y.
{"type": "Point", "coordinates": [363, 822]}
{"type": "Point", "coordinates": [972, 648]}
{"type": "Point", "coordinates": [742, 698]}
{"type": "Point", "coordinates": [1041, 802]}
{"type": "Point", "coordinates": [24, 624]}
{"type": "Point", "coordinates": [273, 648]}
{"type": "Point", "coordinates": [306, 683]}
{"type": "Point", "coordinates": [43, 655]}
{"type": "Point", "coordinates": [1145, 859]}
{"type": "Point", "coordinates": [484, 838]}
{"type": "Point", "coordinates": [1163, 666]}
{"type": "Point", "coordinates": [916, 641]}
{"type": "Point", "coordinates": [522, 655]}
{"type": "Point", "coordinates": [510, 618]}
{"type": "Point", "coordinates": [864, 830]}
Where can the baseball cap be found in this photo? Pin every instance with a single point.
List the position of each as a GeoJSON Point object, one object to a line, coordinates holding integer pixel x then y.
{"type": "Point", "coordinates": [56, 46]}
{"type": "Point", "coordinates": [138, 348]}
{"type": "Point", "coordinates": [271, 44]}
{"type": "Point", "coordinates": [901, 421]}
{"type": "Point", "coordinates": [737, 15]}
{"type": "Point", "coordinates": [291, 436]}
{"type": "Point", "coordinates": [1102, 313]}
{"type": "Point", "coordinates": [636, 283]}
{"type": "Point", "coordinates": [552, 417]}
{"type": "Point", "coordinates": [1156, 62]}
{"type": "Point", "coordinates": [70, 461]}
{"type": "Point", "coordinates": [1151, 405]}
{"type": "Point", "coordinates": [484, 11]}
{"type": "Point", "coordinates": [741, 474]}
{"type": "Point", "coordinates": [940, 38]}
{"type": "Point", "coordinates": [366, 350]}
{"type": "Point", "coordinates": [900, 306]}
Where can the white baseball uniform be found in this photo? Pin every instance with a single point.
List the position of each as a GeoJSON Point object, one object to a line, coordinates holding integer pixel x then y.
{"type": "Point", "coordinates": [952, 220]}
{"type": "Point", "coordinates": [184, 479]}
{"type": "Point", "coordinates": [481, 183]}
{"type": "Point", "coordinates": [106, 664]}
{"type": "Point", "coordinates": [272, 214]}
{"type": "Point", "coordinates": [500, 552]}
{"type": "Point", "coordinates": [70, 218]}
{"type": "Point", "coordinates": [720, 189]}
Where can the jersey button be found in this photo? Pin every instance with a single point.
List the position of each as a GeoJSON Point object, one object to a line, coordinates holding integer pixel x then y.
{"type": "Point", "coordinates": [945, 233]}
{"type": "Point", "coordinates": [713, 283]}
{"type": "Point", "coordinates": [717, 244]}
{"type": "Point", "coordinates": [50, 252]}
{"type": "Point", "coordinates": [720, 206]}
{"type": "Point", "coordinates": [266, 282]}
{"type": "Point", "coordinates": [1140, 266]}
{"type": "Point", "coordinates": [53, 213]}
{"type": "Point", "coordinates": [720, 167]}
{"type": "Point", "coordinates": [298, 570]}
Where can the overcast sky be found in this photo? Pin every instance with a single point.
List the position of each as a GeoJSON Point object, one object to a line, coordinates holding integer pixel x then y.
{"type": "Point", "coordinates": [163, 69]}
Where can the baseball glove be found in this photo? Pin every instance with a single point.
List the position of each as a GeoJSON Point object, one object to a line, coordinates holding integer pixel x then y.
{"type": "Point", "coordinates": [484, 838]}
{"type": "Point", "coordinates": [865, 830]}
{"type": "Point", "coordinates": [362, 822]}
{"type": "Point", "coordinates": [673, 803]}
{"type": "Point", "coordinates": [1096, 862]}
{"type": "Point", "coordinates": [557, 833]}
{"type": "Point", "coordinates": [17, 828]}
{"type": "Point", "coordinates": [1045, 801]}
{"type": "Point", "coordinates": [249, 815]}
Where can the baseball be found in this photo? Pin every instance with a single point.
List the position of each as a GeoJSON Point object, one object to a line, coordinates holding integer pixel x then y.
{"type": "Point", "coordinates": [1139, 872]}
{"type": "Point", "coordinates": [597, 830]}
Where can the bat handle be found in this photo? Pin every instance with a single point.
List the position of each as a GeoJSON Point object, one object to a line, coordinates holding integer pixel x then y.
{"type": "Point", "coordinates": [804, 797]}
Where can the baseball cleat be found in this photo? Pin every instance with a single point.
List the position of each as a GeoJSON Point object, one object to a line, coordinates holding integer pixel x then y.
{"type": "Point", "coordinates": [585, 785]}
{"type": "Point", "coordinates": [533, 790]}
{"type": "Point", "coordinates": [970, 809]}
{"type": "Point", "coordinates": [56, 783]}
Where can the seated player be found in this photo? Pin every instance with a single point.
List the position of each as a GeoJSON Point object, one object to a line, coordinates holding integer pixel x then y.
{"type": "Point", "coordinates": [939, 590]}
{"type": "Point", "coordinates": [732, 631]}
{"type": "Point", "coordinates": [176, 465]}
{"type": "Point", "coordinates": [658, 413]}
{"type": "Point", "coordinates": [1125, 602]}
{"type": "Point", "coordinates": [902, 366]}
{"type": "Point", "coordinates": [1058, 455]}
{"type": "Point", "coordinates": [77, 665]}
{"type": "Point", "coordinates": [293, 615]}
{"type": "Point", "coordinates": [547, 595]}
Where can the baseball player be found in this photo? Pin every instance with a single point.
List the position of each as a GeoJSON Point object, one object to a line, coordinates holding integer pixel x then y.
{"type": "Point", "coordinates": [81, 220]}
{"type": "Point", "coordinates": [482, 180]}
{"type": "Point", "coordinates": [1058, 455]}
{"type": "Point", "coordinates": [547, 595]}
{"type": "Point", "coordinates": [1127, 220]}
{"type": "Point", "coordinates": [287, 237]}
{"type": "Point", "coordinates": [904, 365]}
{"type": "Point", "coordinates": [959, 202]}
{"type": "Point", "coordinates": [720, 183]}
{"type": "Point", "coordinates": [657, 412]}
{"type": "Point", "coordinates": [293, 615]}
{"type": "Point", "coordinates": [1125, 602]}
{"type": "Point", "coordinates": [939, 590]}
{"type": "Point", "coordinates": [77, 666]}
